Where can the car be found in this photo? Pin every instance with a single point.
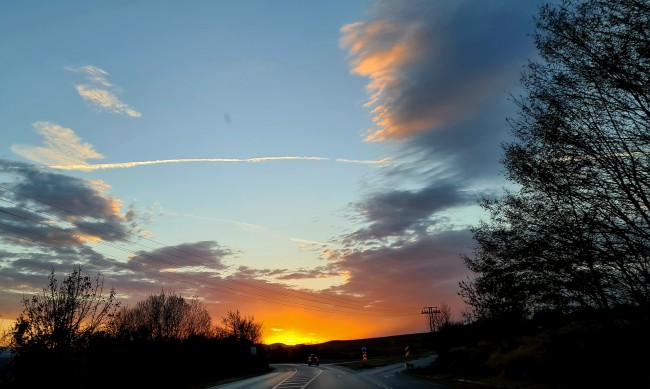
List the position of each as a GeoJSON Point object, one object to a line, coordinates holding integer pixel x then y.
{"type": "Point", "coordinates": [312, 360]}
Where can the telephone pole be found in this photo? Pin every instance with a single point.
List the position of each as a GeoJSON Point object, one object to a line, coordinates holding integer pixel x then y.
{"type": "Point", "coordinates": [431, 312]}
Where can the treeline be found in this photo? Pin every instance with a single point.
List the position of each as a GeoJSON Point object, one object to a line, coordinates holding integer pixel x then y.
{"type": "Point", "coordinates": [573, 230]}
{"type": "Point", "coordinates": [561, 268]}
{"type": "Point", "coordinates": [77, 335]}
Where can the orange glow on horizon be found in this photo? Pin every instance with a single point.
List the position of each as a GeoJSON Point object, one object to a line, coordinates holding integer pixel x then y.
{"type": "Point", "coordinates": [293, 326]}
{"type": "Point", "coordinates": [291, 338]}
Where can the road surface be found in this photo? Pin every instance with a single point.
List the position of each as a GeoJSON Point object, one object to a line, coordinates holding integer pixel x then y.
{"type": "Point", "coordinates": [329, 376]}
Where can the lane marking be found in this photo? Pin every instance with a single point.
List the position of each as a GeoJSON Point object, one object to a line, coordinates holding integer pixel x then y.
{"type": "Point", "coordinates": [294, 372]}
{"type": "Point", "coordinates": [298, 382]}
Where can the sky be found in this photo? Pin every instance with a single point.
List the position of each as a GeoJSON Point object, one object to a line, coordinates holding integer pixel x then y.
{"type": "Point", "coordinates": [313, 164]}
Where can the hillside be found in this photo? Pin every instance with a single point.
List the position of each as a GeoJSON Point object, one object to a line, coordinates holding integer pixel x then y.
{"type": "Point", "coordinates": [351, 350]}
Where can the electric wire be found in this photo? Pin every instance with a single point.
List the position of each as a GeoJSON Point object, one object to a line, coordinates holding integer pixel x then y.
{"type": "Point", "coordinates": [329, 297]}
{"type": "Point", "coordinates": [174, 263]}
{"type": "Point", "coordinates": [236, 291]}
{"type": "Point", "coordinates": [198, 282]}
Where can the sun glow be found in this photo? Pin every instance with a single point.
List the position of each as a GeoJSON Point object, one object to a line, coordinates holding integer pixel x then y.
{"type": "Point", "coordinates": [291, 337]}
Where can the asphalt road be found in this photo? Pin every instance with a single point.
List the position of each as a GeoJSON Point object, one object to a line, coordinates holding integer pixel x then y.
{"type": "Point", "coordinates": [327, 376]}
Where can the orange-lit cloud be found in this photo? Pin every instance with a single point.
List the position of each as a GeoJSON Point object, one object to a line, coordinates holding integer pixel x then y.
{"type": "Point", "coordinates": [62, 147]}
{"type": "Point", "coordinates": [378, 50]}
{"type": "Point", "coordinates": [432, 64]}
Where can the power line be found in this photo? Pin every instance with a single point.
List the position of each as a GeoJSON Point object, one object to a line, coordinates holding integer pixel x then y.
{"type": "Point", "coordinates": [312, 299]}
{"type": "Point", "coordinates": [328, 298]}
{"type": "Point", "coordinates": [198, 282]}
{"type": "Point", "coordinates": [431, 313]}
{"type": "Point", "coordinates": [202, 282]}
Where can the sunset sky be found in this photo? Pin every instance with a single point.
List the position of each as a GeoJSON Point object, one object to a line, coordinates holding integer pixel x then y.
{"type": "Point", "coordinates": [314, 164]}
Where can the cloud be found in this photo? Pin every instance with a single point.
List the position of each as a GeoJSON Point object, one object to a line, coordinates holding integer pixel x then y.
{"type": "Point", "coordinates": [439, 74]}
{"type": "Point", "coordinates": [195, 257]}
{"type": "Point", "coordinates": [406, 212]}
{"type": "Point", "coordinates": [62, 147]}
{"type": "Point", "coordinates": [105, 100]}
{"type": "Point", "coordinates": [97, 94]}
{"type": "Point", "coordinates": [327, 271]}
{"type": "Point", "coordinates": [94, 74]}
{"type": "Point", "coordinates": [44, 208]}
{"type": "Point", "coordinates": [432, 63]}
{"type": "Point", "coordinates": [308, 245]}
{"type": "Point", "coordinates": [416, 274]}
{"type": "Point", "coordinates": [55, 214]}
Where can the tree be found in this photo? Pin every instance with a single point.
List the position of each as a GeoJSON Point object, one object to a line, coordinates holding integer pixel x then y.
{"type": "Point", "coordinates": [442, 317]}
{"type": "Point", "coordinates": [65, 315]}
{"type": "Point", "coordinates": [575, 231]}
{"type": "Point", "coordinates": [240, 328]}
{"type": "Point", "coordinates": [163, 317]}
{"type": "Point", "coordinates": [57, 331]}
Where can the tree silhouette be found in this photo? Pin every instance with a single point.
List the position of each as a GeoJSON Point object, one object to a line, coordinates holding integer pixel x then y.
{"type": "Point", "coordinates": [57, 328]}
{"type": "Point", "coordinates": [240, 328]}
{"type": "Point", "coordinates": [65, 315]}
{"type": "Point", "coordinates": [575, 230]}
{"type": "Point", "coordinates": [163, 316]}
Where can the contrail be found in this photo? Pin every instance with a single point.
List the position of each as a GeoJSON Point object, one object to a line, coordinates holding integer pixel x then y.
{"type": "Point", "coordinates": [122, 165]}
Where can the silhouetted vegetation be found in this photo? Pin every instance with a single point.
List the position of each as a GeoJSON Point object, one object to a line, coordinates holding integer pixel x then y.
{"type": "Point", "coordinates": [588, 349]}
{"type": "Point", "coordinates": [575, 234]}
{"type": "Point", "coordinates": [162, 317]}
{"type": "Point", "coordinates": [239, 328]}
{"type": "Point", "coordinates": [561, 292]}
{"type": "Point", "coordinates": [74, 335]}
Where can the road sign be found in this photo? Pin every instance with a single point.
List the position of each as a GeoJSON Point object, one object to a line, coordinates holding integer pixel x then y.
{"type": "Point", "coordinates": [407, 351]}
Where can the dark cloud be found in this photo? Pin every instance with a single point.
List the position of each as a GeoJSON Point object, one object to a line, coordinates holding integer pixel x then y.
{"type": "Point", "coordinates": [205, 255]}
{"type": "Point", "coordinates": [252, 273]}
{"type": "Point", "coordinates": [432, 64]}
{"type": "Point", "coordinates": [318, 272]}
{"type": "Point", "coordinates": [440, 75]}
{"type": "Point", "coordinates": [65, 209]}
{"type": "Point", "coordinates": [405, 212]}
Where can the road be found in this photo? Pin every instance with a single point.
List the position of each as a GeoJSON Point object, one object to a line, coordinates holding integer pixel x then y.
{"type": "Point", "coordinates": [329, 376]}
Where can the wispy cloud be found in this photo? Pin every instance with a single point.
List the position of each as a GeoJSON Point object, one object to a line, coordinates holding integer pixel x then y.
{"type": "Point", "coordinates": [122, 165]}
{"type": "Point", "coordinates": [61, 147]}
{"type": "Point", "coordinates": [97, 94]}
{"type": "Point", "coordinates": [309, 245]}
{"type": "Point", "coordinates": [106, 100]}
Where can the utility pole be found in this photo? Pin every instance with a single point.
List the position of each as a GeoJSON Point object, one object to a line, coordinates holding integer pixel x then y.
{"type": "Point", "coordinates": [431, 312]}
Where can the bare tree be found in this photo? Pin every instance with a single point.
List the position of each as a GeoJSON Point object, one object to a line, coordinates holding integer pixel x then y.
{"type": "Point", "coordinates": [442, 317]}
{"type": "Point", "coordinates": [65, 315]}
{"type": "Point", "coordinates": [240, 328]}
{"type": "Point", "coordinates": [163, 316]}
{"type": "Point", "coordinates": [575, 231]}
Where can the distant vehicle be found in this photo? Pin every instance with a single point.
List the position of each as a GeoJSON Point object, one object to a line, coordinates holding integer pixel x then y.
{"type": "Point", "coordinates": [312, 360]}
